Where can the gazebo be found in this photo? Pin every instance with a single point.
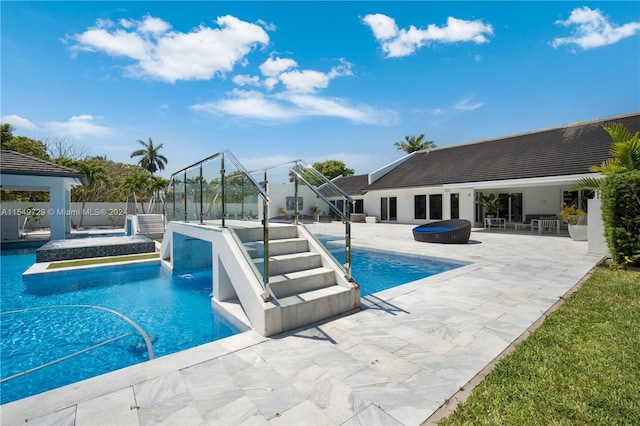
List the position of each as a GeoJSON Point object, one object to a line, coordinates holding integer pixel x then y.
{"type": "Point", "coordinates": [21, 172]}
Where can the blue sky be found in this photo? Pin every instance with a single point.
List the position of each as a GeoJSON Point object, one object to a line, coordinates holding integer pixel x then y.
{"type": "Point", "coordinates": [276, 81]}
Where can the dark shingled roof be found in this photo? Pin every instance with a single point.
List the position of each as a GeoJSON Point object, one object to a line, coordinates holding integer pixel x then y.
{"type": "Point", "coordinates": [16, 163]}
{"type": "Point", "coordinates": [559, 151]}
{"type": "Point", "coordinates": [352, 185]}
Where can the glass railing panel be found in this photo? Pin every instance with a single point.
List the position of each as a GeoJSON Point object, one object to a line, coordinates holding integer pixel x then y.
{"type": "Point", "coordinates": [212, 189]}
{"type": "Point", "coordinates": [175, 198]}
{"type": "Point", "coordinates": [193, 194]}
{"type": "Point", "coordinates": [241, 196]}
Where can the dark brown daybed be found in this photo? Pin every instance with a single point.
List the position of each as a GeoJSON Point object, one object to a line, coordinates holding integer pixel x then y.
{"type": "Point", "coordinates": [452, 231]}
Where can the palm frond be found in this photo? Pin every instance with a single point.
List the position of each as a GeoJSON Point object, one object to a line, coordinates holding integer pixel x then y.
{"type": "Point", "coordinates": [617, 131]}
{"type": "Point", "coordinates": [593, 183]}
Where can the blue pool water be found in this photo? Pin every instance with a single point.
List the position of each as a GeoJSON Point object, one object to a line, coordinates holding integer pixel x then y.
{"type": "Point", "coordinates": [377, 270]}
{"type": "Point", "coordinates": [174, 309]}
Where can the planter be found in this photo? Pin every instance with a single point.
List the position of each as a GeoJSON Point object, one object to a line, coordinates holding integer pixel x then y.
{"type": "Point", "coordinates": [578, 232]}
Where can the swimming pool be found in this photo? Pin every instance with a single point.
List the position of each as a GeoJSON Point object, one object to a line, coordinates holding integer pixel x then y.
{"type": "Point", "coordinates": [378, 270]}
{"type": "Point", "coordinates": [173, 309]}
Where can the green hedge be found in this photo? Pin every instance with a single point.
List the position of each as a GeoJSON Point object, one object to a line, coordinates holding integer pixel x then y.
{"type": "Point", "coordinates": [621, 215]}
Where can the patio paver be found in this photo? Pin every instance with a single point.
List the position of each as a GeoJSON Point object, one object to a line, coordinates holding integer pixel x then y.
{"type": "Point", "coordinates": [395, 362]}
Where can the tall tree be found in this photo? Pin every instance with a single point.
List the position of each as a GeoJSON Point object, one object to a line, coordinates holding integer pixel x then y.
{"type": "Point", "coordinates": [151, 159]}
{"type": "Point", "coordinates": [140, 182]}
{"type": "Point", "coordinates": [413, 144]}
{"type": "Point", "coordinates": [332, 168]}
{"type": "Point", "coordinates": [22, 144]}
{"type": "Point", "coordinates": [95, 174]}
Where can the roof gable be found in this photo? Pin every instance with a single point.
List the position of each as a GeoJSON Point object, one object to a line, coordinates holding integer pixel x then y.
{"type": "Point", "coordinates": [352, 185]}
{"type": "Point", "coordinates": [559, 151]}
{"type": "Point", "coordinates": [16, 163]}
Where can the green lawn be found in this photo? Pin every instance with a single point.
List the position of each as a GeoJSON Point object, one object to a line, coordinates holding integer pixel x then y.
{"type": "Point", "coordinates": [581, 367]}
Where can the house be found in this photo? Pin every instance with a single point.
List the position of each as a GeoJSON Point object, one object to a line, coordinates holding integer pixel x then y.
{"type": "Point", "coordinates": [532, 173]}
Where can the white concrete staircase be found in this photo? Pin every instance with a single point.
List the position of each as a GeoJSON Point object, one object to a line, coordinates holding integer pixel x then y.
{"type": "Point", "coordinates": [150, 225]}
{"type": "Point", "coordinates": [306, 283]}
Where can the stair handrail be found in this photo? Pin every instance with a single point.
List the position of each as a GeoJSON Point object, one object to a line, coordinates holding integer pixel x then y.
{"type": "Point", "coordinates": [344, 215]}
{"type": "Point", "coordinates": [295, 167]}
{"type": "Point", "coordinates": [262, 194]}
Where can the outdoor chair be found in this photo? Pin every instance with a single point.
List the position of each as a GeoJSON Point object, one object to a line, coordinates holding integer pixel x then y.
{"type": "Point", "coordinates": [452, 231]}
{"type": "Point", "coordinates": [496, 222]}
{"type": "Point", "coordinates": [546, 224]}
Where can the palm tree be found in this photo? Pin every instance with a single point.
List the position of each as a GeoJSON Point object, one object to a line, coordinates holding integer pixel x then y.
{"type": "Point", "coordinates": [625, 156]}
{"type": "Point", "coordinates": [151, 159]}
{"type": "Point", "coordinates": [413, 144]}
{"type": "Point", "coordinates": [95, 174]}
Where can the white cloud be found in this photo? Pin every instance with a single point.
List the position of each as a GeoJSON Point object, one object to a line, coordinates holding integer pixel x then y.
{"type": "Point", "coordinates": [383, 27]}
{"type": "Point", "coordinates": [396, 42]}
{"type": "Point", "coordinates": [79, 127]}
{"type": "Point", "coordinates": [246, 80]}
{"type": "Point", "coordinates": [161, 53]}
{"type": "Point", "coordinates": [19, 122]}
{"type": "Point", "coordinates": [297, 98]}
{"type": "Point", "coordinates": [592, 29]}
{"type": "Point", "coordinates": [466, 105]}
{"type": "Point", "coordinates": [305, 81]}
{"type": "Point", "coordinates": [248, 104]}
{"type": "Point", "coordinates": [273, 67]}
{"type": "Point", "coordinates": [289, 106]}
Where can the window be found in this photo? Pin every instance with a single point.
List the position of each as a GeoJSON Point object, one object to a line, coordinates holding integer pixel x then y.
{"type": "Point", "coordinates": [435, 206]}
{"type": "Point", "coordinates": [511, 206]}
{"type": "Point", "coordinates": [389, 208]}
{"type": "Point", "coordinates": [384, 208]}
{"type": "Point", "coordinates": [455, 206]}
{"type": "Point", "coordinates": [359, 206]}
{"type": "Point", "coordinates": [578, 198]}
{"type": "Point", "coordinates": [420, 207]}
{"type": "Point", "coordinates": [393, 208]}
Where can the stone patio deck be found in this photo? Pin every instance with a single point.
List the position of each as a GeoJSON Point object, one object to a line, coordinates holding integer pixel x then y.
{"type": "Point", "coordinates": [395, 362]}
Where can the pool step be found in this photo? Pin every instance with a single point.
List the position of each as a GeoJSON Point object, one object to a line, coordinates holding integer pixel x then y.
{"type": "Point", "coordinates": [151, 225]}
{"type": "Point", "coordinates": [277, 247]}
{"type": "Point", "coordinates": [290, 262]}
{"type": "Point", "coordinates": [306, 286]}
{"type": "Point", "coordinates": [289, 284]}
{"type": "Point", "coordinates": [317, 305]}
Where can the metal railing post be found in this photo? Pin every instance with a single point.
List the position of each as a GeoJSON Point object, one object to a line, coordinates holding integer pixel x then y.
{"type": "Point", "coordinates": [348, 250]}
{"type": "Point", "coordinates": [265, 237]}
{"type": "Point", "coordinates": [223, 183]}
{"type": "Point", "coordinates": [186, 195]}
{"type": "Point", "coordinates": [201, 199]}
{"type": "Point", "coordinates": [295, 198]}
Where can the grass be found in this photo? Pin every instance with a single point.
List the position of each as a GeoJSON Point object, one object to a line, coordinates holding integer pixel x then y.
{"type": "Point", "coordinates": [102, 260]}
{"type": "Point", "coordinates": [581, 367]}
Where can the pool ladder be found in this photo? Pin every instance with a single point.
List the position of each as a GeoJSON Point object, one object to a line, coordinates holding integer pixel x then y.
{"type": "Point", "coordinates": [144, 335]}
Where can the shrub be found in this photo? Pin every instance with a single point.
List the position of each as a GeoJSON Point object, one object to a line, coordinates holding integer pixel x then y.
{"type": "Point", "coordinates": [571, 214]}
{"type": "Point", "coordinates": [621, 216]}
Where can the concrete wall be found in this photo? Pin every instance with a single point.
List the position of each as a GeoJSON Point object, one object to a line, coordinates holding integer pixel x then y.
{"type": "Point", "coordinates": [93, 214]}
{"type": "Point", "coordinates": [597, 241]}
{"type": "Point", "coordinates": [279, 193]}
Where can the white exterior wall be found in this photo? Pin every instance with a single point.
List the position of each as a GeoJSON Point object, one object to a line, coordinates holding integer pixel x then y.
{"type": "Point", "coordinates": [595, 231]}
{"type": "Point", "coordinates": [544, 200]}
{"type": "Point", "coordinates": [405, 203]}
{"type": "Point", "coordinates": [280, 191]}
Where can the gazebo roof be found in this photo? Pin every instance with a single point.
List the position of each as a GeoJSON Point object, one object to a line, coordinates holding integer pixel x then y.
{"type": "Point", "coordinates": [16, 163]}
